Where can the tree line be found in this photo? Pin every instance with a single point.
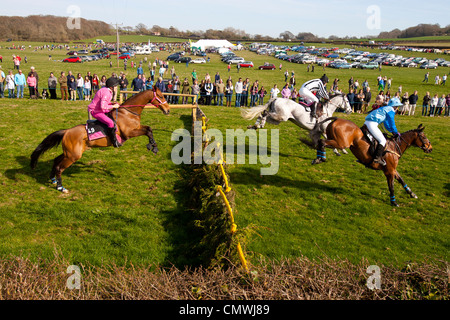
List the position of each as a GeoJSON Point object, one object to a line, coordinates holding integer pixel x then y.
{"type": "Point", "coordinates": [57, 29]}
{"type": "Point", "coordinates": [50, 28]}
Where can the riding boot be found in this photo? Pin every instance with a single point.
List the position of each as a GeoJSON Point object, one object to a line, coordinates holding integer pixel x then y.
{"type": "Point", "coordinates": [112, 136]}
{"type": "Point", "coordinates": [379, 155]}
{"type": "Point", "coordinates": [313, 110]}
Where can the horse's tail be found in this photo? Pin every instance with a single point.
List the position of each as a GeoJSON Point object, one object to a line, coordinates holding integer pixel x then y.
{"type": "Point", "coordinates": [52, 140]}
{"type": "Point", "coordinates": [250, 113]}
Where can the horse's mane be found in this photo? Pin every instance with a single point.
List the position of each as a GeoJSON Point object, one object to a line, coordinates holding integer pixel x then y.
{"type": "Point", "coordinates": [130, 101]}
{"type": "Point", "coordinates": [417, 130]}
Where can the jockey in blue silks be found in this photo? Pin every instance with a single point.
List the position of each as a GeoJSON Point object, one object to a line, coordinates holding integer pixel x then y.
{"type": "Point", "coordinates": [386, 116]}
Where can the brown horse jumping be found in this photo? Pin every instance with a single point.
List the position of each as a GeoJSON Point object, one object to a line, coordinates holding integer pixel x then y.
{"type": "Point", "coordinates": [75, 140]}
{"type": "Point", "coordinates": [343, 134]}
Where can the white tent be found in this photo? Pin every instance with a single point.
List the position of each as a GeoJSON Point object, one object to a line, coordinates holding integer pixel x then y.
{"type": "Point", "coordinates": [206, 44]}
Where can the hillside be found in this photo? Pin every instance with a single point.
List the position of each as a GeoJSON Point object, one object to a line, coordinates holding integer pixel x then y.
{"type": "Point", "coordinates": [49, 28]}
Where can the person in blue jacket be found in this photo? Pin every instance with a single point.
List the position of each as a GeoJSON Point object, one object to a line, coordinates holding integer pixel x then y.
{"type": "Point", "coordinates": [386, 116]}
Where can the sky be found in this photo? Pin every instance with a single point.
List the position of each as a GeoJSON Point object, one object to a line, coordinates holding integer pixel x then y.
{"type": "Point", "coordinates": [263, 17]}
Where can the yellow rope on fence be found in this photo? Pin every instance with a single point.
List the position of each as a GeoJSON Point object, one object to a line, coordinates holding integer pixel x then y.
{"type": "Point", "coordinates": [227, 203]}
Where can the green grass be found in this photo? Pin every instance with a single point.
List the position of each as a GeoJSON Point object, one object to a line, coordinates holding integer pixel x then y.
{"type": "Point", "coordinates": [129, 205]}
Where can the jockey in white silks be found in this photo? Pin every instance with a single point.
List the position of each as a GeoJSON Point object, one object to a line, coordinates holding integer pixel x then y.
{"type": "Point", "coordinates": [314, 86]}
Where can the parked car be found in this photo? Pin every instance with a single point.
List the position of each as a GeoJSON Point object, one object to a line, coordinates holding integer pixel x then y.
{"type": "Point", "coordinates": [85, 58]}
{"type": "Point", "coordinates": [308, 60]}
{"type": "Point", "coordinates": [370, 65]}
{"type": "Point", "coordinates": [173, 56]}
{"type": "Point", "coordinates": [125, 55]}
{"type": "Point", "coordinates": [183, 60]}
{"type": "Point", "coordinates": [409, 64]}
{"type": "Point", "coordinates": [73, 59]}
{"type": "Point", "coordinates": [343, 66]}
{"type": "Point", "coordinates": [71, 53]}
{"type": "Point", "coordinates": [83, 52]}
{"type": "Point", "coordinates": [198, 60]}
{"type": "Point", "coordinates": [246, 64]}
{"type": "Point", "coordinates": [236, 60]}
{"type": "Point", "coordinates": [267, 66]}
{"type": "Point", "coordinates": [429, 65]}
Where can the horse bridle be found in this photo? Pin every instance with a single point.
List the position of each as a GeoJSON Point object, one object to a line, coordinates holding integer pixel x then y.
{"type": "Point", "coordinates": [341, 104]}
{"type": "Point", "coordinates": [155, 97]}
{"type": "Point", "coordinates": [423, 147]}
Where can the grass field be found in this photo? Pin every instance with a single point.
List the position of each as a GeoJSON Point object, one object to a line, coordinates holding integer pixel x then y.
{"type": "Point", "coordinates": [129, 205]}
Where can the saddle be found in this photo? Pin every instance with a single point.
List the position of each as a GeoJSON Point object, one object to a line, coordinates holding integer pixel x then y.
{"type": "Point", "coordinates": [96, 130]}
{"type": "Point", "coordinates": [371, 140]}
{"type": "Point", "coordinates": [319, 107]}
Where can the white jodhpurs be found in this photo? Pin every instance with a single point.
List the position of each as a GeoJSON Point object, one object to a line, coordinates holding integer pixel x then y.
{"type": "Point", "coordinates": [307, 95]}
{"type": "Point", "coordinates": [376, 132]}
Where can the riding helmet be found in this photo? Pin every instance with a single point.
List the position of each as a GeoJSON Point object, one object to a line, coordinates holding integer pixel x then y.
{"type": "Point", "coordinates": [324, 79]}
{"type": "Point", "coordinates": [394, 102]}
{"type": "Point", "coordinates": [112, 82]}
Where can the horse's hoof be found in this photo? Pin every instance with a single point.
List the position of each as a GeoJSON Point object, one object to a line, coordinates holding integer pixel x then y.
{"type": "Point", "coordinates": [338, 154]}
{"type": "Point", "coordinates": [53, 181]}
{"type": "Point", "coordinates": [318, 160]}
{"type": "Point", "coordinates": [413, 195]}
{"type": "Point", "coordinates": [155, 150]}
{"type": "Point", "coordinates": [62, 189]}
{"type": "Point", "coordinates": [394, 204]}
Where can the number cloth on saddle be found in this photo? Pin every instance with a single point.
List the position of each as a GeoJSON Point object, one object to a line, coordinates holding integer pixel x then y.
{"type": "Point", "coordinates": [96, 130]}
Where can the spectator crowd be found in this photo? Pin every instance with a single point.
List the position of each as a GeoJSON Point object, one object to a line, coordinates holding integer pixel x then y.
{"type": "Point", "coordinates": [214, 90]}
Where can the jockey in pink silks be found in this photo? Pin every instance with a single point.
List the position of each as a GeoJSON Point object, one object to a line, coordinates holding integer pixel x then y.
{"type": "Point", "coordinates": [101, 104]}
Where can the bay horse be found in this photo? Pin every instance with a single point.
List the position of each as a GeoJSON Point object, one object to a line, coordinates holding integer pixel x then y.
{"type": "Point", "coordinates": [75, 140]}
{"type": "Point", "coordinates": [343, 133]}
{"type": "Point", "coordinates": [281, 109]}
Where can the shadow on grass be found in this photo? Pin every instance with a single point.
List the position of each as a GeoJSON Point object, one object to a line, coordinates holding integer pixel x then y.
{"type": "Point", "coordinates": [252, 176]}
{"type": "Point", "coordinates": [179, 223]}
{"type": "Point", "coordinates": [42, 171]}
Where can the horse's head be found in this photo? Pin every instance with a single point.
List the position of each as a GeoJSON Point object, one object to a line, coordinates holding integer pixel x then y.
{"type": "Point", "coordinates": [159, 101]}
{"type": "Point", "coordinates": [347, 105]}
{"type": "Point", "coordinates": [421, 140]}
{"type": "Point", "coordinates": [341, 101]}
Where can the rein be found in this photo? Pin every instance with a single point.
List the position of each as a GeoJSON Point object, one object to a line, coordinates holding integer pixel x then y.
{"type": "Point", "coordinates": [408, 144]}
{"type": "Point", "coordinates": [341, 105]}
{"type": "Point", "coordinates": [155, 97]}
